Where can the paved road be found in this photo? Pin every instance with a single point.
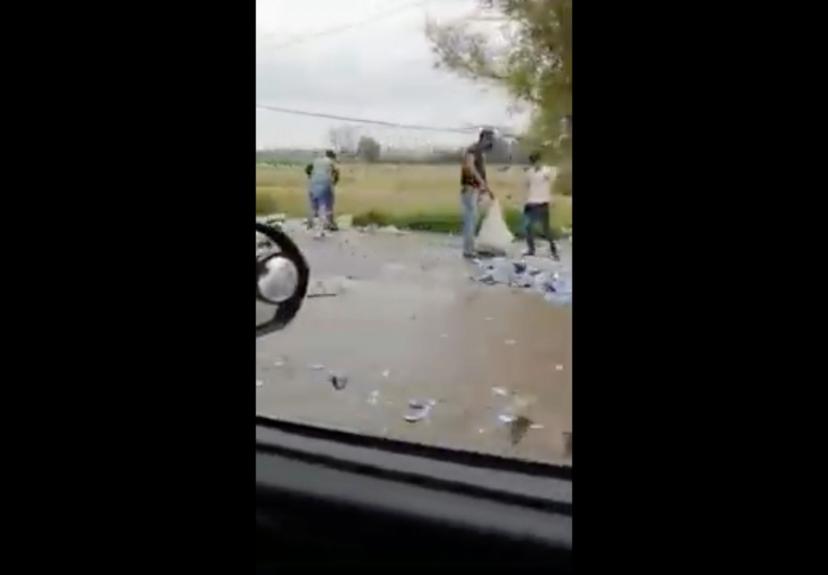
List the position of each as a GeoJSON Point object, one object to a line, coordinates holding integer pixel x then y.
{"type": "Point", "coordinates": [408, 323]}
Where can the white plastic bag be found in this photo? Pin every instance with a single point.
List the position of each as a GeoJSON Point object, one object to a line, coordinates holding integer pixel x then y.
{"type": "Point", "coordinates": [494, 236]}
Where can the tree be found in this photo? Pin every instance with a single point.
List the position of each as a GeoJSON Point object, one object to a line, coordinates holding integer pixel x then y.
{"type": "Point", "coordinates": [368, 149]}
{"type": "Point", "coordinates": [534, 63]}
{"type": "Point", "coordinates": [343, 138]}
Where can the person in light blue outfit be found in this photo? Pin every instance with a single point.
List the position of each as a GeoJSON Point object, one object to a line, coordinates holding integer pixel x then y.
{"type": "Point", "coordinates": [472, 184]}
{"type": "Point", "coordinates": [323, 174]}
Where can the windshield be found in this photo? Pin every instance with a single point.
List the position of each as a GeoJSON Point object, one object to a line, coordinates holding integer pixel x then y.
{"type": "Point", "coordinates": [425, 177]}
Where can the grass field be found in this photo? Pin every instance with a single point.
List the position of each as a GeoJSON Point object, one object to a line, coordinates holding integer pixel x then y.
{"type": "Point", "coordinates": [425, 197]}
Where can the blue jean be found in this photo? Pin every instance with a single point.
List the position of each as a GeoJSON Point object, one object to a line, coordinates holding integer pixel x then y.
{"type": "Point", "coordinates": [537, 213]}
{"type": "Point", "coordinates": [468, 200]}
{"type": "Point", "coordinates": [320, 196]}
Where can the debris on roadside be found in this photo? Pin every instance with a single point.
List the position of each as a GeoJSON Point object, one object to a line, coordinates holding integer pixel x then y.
{"type": "Point", "coordinates": [501, 391]}
{"type": "Point", "coordinates": [421, 403]}
{"type": "Point", "coordinates": [518, 425]}
{"type": "Point", "coordinates": [316, 366]}
{"type": "Point", "coordinates": [559, 367]}
{"type": "Point", "coordinates": [536, 426]}
{"type": "Point", "coordinates": [259, 383]}
{"type": "Point", "coordinates": [421, 409]}
{"type": "Point", "coordinates": [338, 380]}
{"type": "Point", "coordinates": [386, 372]}
{"type": "Point", "coordinates": [373, 397]}
{"type": "Point", "coordinates": [417, 414]}
{"type": "Point", "coordinates": [295, 226]}
{"type": "Point", "coordinates": [272, 219]}
{"type": "Point", "coordinates": [516, 409]}
{"type": "Point", "coordinates": [519, 428]}
{"type": "Point", "coordinates": [324, 288]}
{"type": "Point", "coordinates": [519, 274]}
{"type": "Point", "coordinates": [392, 230]}
{"type": "Point", "coordinates": [500, 270]}
{"type": "Point", "coordinates": [280, 362]}
{"type": "Point", "coordinates": [510, 342]}
{"type": "Point", "coordinates": [524, 281]}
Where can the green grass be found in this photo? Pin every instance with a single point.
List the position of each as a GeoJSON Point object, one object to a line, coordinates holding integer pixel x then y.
{"type": "Point", "coordinates": [417, 197]}
{"type": "Point", "coordinates": [442, 222]}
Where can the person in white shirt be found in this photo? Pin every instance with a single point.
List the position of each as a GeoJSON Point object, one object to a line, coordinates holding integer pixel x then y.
{"type": "Point", "coordinates": [539, 180]}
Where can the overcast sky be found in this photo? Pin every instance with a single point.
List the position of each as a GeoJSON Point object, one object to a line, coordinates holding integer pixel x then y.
{"type": "Point", "coordinates": [381, 70]}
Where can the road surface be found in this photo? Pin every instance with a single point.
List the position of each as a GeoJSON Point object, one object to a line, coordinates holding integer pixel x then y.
{"type": "Point", "coordinates": [408, 323]}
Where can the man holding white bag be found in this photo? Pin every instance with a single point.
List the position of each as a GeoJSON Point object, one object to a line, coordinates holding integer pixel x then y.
{"type": "Point", "coordinates": [473, 182]}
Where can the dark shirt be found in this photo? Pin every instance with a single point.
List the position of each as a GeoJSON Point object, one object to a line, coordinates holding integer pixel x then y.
{"type": "Point", "coordinates": [466, 177]}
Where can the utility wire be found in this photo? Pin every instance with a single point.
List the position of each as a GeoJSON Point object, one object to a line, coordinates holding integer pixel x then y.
{"type": "Point", "coordinates": [375, 17]}
{"type": "Point", "coordinates": [380, 15]}
{"type": "Point", "coordinates": [367, 121]}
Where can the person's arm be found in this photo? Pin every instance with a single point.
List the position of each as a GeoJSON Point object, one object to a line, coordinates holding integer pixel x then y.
{"type": "Point", "coordinates": [335, 173]}
{"type": "Point", "coordinates": [473, 171]}
{"type": "Point", "coordinates": [309, 170]}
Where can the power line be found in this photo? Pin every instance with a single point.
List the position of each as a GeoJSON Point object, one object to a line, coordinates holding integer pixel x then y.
{"type": "Point", "coordinates": [344, 27]}
{"type": "Point", "coordinates": [503, 131]}
{"type": "Point", "coordinates": [368, 121]}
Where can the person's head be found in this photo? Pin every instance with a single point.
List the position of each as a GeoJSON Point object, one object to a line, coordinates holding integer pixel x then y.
{"type": "Point", "coordinates": [486, 139]}
{"type": "Point", "coordinates": [330, 154]}
{"type": "Point", "coordinates": [534, 158]}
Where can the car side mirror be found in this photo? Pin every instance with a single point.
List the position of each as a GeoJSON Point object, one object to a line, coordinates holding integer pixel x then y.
{"type": "Point", "coordinates": [281, 279]}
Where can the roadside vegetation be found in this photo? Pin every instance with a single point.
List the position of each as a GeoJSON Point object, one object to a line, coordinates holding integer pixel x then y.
{"type": "Point", "coordinates": [417, 197]}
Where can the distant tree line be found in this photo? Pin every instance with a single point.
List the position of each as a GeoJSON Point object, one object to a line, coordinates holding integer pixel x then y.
{"type": "Point", "coordinates": [367, 149]}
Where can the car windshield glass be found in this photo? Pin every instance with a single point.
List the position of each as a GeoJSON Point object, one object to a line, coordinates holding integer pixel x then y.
{"type": "Point", "coordinates": [424, 176]}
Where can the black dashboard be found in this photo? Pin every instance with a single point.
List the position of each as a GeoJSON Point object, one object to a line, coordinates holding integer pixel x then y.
{"type": "Point", "coordinates": [327, 495]}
